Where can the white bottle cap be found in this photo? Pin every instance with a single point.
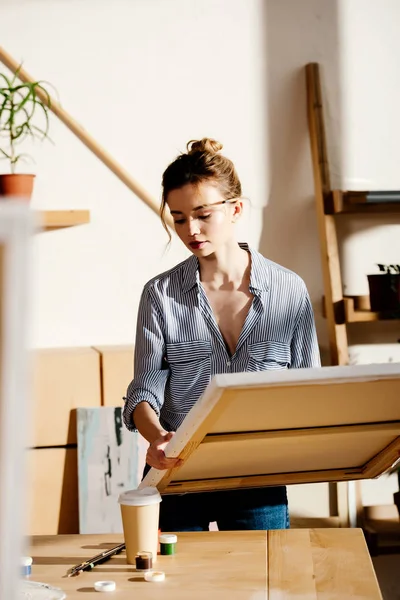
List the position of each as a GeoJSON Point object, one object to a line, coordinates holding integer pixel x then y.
{"type": "Point", "coordinates": [26, 561]}
{"type": "Point", "coordinates": [154, 576]}
{"type": "Point", "coordinates": [105, 586]}
{"type": "Point", "coordinates": [168, 538]}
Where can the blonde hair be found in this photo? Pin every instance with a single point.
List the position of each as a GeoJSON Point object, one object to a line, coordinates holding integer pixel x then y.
{"type": "Point", "coordinates": [201, 163]}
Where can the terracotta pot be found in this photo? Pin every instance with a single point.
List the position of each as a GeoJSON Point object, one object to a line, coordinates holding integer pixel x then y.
{"type": "Point", "coordinates": [19, 185]}
{"type": "Point", "coordinates": [384, 292]}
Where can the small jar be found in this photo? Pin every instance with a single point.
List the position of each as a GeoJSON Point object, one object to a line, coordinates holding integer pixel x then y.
{"type": "Point", "coordinates": [167, 543]}
{"type": "Point", "coordinates": [26, 566]}
{"type": "Point", "coordinates": [144, 561]}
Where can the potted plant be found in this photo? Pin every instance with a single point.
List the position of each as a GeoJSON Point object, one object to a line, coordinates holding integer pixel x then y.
{"type": "Point", "coordinates": [384, 290]}
{"type": "Point", "coordinates": [22, 115]}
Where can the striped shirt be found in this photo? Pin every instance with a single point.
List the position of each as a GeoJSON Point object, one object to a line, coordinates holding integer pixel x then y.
{"type": "Point", "coordinates": [179, 346]}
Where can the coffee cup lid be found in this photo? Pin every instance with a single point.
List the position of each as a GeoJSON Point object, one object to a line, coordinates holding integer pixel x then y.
{"type": "Point", "coordinates": [143, 497]}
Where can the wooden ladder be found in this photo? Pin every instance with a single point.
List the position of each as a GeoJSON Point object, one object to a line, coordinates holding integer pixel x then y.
{"type": "Point", "coordinates": [338, 309]}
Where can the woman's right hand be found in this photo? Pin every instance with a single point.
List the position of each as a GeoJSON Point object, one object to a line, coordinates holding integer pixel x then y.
{"type": "Point", "coordinates": [155, 456]}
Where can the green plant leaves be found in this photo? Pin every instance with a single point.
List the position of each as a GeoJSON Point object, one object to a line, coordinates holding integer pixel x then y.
{"type": "Point", "coordinates": [388, 269]}
{"type": "Point", "coordinates": [4, 154]}
{"type": "Point", "coordinates": [23, 114]}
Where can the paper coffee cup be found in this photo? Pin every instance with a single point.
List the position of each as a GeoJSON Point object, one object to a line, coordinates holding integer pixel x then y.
{"type": "Point", "coordinates": [140, 511]}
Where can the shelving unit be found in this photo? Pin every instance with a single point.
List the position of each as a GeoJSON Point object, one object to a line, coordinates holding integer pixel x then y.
{"type": "Point", "coordinates": [338, 309]}
{"type": "Point", "coordinates": [339, 202]}
{"type": "Point", "coordinates": [50, 220]}
{"type": "Point", "coordinates": [357, 309]}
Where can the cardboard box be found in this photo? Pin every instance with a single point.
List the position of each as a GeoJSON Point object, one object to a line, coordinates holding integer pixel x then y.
{"type": "Point", "coordinates": [63, 379]}
{"type": "Point", "coordinates": [116, 372]}
{"type": "Point", "coordinates": [52, 501]}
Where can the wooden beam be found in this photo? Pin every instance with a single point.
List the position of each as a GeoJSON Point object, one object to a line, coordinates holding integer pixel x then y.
{"type": "Point", "coordinates": [326, 225]}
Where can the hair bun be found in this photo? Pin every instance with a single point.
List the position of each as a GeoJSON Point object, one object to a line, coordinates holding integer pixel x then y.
{"type": "Point", "coordinates": [206, 145]}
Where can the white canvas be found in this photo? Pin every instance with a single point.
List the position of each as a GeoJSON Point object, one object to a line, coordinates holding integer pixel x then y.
{"type": "Point", "coordinates": [110, 461]}
{"type": "Point", "coordinates": [294, 426]}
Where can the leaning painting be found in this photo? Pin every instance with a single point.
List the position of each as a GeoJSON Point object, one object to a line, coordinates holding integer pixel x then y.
{"type": "Point", "coordinates": [110, 460]}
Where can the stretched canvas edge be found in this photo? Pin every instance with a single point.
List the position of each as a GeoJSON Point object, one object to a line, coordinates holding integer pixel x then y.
{"type": "Point", "coordinates": [193, 430]}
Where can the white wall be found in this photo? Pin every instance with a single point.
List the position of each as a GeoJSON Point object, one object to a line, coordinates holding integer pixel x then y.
{"type": "Point", "coordinates": [143, 77]}
{"type": "Point", "coordinates": [370, 47]}
{"type": "Point", "coordinates": [369, 51]}
{"type": "Point", "coordinates": [296, 33]}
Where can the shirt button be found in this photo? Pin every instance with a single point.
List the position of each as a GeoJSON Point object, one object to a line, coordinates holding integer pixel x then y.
{"type": "Point", "coordinates": [228, 364]}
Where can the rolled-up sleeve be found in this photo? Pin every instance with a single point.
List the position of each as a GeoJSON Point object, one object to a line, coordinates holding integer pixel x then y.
{"type": "Point", "coordinates": [148, 384]}
{"type": "Point", "coordinates": [304, 347]}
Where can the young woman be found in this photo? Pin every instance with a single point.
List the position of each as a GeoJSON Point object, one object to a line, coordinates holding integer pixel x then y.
{"type": "Point", "coordinates": [226, 309]}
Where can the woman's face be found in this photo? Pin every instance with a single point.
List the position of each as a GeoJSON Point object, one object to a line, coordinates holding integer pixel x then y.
{"type": "Point", "coordinates": [204, 220]}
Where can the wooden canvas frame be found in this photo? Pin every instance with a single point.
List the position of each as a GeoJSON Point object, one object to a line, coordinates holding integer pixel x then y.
{"type": "Point", "coordinates": [295, 426]}
{"type": "Point", "coordinates": [15, 233]}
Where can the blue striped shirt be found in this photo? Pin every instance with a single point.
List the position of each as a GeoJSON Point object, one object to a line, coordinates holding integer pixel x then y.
{"type": "Point", "coordinates": [179, 346]}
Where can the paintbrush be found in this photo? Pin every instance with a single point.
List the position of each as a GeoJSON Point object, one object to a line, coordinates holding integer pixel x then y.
{"type": "Point", "coordinates": [88, 564]}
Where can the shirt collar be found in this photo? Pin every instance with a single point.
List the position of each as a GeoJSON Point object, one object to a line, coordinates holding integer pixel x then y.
{"type": "Point", "coordinates": [258, 274]}
{"type": "Point", "coordinates": [190, 274]}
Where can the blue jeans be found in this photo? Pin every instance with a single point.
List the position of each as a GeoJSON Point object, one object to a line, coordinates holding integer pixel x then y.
{"type": "Point", "coordinates": [256, 508]}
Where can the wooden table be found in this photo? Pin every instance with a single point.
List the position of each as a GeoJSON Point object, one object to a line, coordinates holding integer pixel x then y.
{"type": "Point", "coordinates": [303, 564]}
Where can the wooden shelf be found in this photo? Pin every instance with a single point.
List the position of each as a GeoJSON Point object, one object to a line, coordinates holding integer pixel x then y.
{"type": "Point", "coordinates": [338, 201]}
{"type": "Point", "coordinates": [354, 314]}
{"type": "Point", "coordinates": [356, 309]}
{"type": "Point", "coordinates": [49, 220]}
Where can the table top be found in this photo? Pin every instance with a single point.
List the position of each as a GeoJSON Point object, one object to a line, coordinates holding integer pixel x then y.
{"type": "Point", "coordinates": [303, 564]}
